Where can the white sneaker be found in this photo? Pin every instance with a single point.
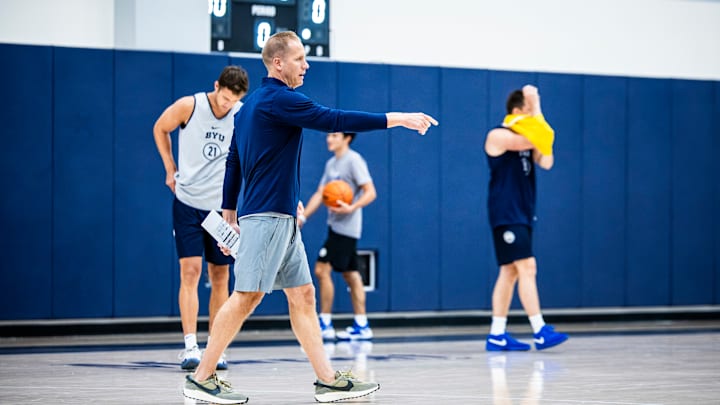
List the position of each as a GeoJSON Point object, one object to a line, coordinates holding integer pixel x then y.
{"type": "Point", "coordinates": [356, 332]}
{"type": "Point", "coordinates": [190, 358]}
{"type": "Point", "coordinates": [327, 331]}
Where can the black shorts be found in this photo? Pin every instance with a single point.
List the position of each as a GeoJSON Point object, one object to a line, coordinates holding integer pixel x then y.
{"type": "Point", "coordinates": [191, 239]}
{"type": "Point", "coordinates": [340, 251]}
{"type": "Point", "coordinates": [512, 242]}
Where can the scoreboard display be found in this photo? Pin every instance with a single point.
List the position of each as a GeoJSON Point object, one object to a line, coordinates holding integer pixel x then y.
{"type": "Point", "coordinates": [245, 25]}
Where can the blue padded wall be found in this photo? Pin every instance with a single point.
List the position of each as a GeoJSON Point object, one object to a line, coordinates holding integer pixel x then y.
{"type": "Point", "coordinates": [559, 201]}
{"type": "Point", "coordinates": [26, 181]}
{"type": "Point", "coordinates": [465, 242]}
{"type": "Point", "coordinates": [716, 181]}
{"type": "Point", "coordinates": [627, 216]}
{"type": "Point", "coordinates": [415, 193]}
{"type": "Point", "coordinates": [649, 191]}
{"type": "Point", "coordinates": [693, 174]}
{"type": "Point", "coordinates": [367, 88]}
{"type": "Point", "coordinates": [604, 191]}
{"type": "Point", "coordinates": [143, 247]}
{"type": "Point", "coordinates": [83, 200]}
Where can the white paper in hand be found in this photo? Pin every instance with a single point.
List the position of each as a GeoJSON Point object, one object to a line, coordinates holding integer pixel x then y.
{"type": "Point", "coordinates": [222, 232]}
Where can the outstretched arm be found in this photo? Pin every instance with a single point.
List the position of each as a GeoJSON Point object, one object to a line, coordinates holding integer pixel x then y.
{"type": "Point", "coordinates": [420, 122]}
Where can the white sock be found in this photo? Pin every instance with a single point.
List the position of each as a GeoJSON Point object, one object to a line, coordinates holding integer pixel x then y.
{"type": "Point", "coordinates": [499, 323]}
{"type": "Point", "coordinates": [326, 318]}
{"type": "Point", "coordinates": [361, 320]}
{"type": "Point", "coordinates": [190, 341]}
{"type": "Point", "coordinates": [537, 322]}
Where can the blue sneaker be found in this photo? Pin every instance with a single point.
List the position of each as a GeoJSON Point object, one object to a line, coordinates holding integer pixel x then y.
{"type": "Point", "coordinates": [327, 331]}
{"type": "Point", "coordinates": [505, 343]}
{"type": "Point", "coordinates": [547, 338]}
{"type": "Point", "coordinates": [190, 358]}
{"type": "Point", "coordinates": [222, 362]}
{"type": "Point", "coordinates": [356, 332]}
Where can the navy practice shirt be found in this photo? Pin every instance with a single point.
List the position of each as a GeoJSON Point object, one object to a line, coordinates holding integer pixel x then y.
{"type": "Point", "coordinates": [267, 142]}
{"type": "Point", "coordinates": [511, 198]}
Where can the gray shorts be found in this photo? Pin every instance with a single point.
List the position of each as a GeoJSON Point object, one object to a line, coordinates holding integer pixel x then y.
{"type": "Point", "coordinates": [271, 254]}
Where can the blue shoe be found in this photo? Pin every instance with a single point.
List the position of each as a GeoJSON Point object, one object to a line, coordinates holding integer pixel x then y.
{"type": "Point", "coordinates": [222, 362]}
{"type": "Point", "coordinates": [190, 358]}
{"type": "Point", "coordinates": [505, 343]}
{"type": "Point", "coordinates": [356, 332]}
{"type": "Point", "coordinates": [547, 338]}
{"type": "Point", "coordinates": [327, 331]}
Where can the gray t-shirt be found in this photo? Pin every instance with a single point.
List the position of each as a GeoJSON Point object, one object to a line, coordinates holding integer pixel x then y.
{"type": "Point", "coordinates": [352, 168]}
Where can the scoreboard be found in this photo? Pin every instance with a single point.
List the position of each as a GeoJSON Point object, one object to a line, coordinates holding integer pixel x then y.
{"type": "Point", "coordinates": [245, 25]}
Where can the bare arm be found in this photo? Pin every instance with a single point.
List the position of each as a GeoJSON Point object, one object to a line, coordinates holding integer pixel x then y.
{"type": "Point", "coordinates": [173, 116]}
{"type": "Point", "coordinates": [312, 205]}
{"type": "Point", "coordinates": [532, 97]}
{"type": "Point", "coordinates": [418, 121]}
{"type": "Point", "coordinates": [501, 140]}
{"type": "Point", "coordinates": [544, 161]}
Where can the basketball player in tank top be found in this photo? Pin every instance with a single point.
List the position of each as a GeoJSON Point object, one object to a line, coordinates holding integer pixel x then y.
{"type": "Point", "coordinates": [206, 122]}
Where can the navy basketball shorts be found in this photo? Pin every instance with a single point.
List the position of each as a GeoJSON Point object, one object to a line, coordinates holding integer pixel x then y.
{"type": "Point", "coordinates": [512, 242]}
{"type": "Point", "coordinates": [340, 251]}
{"type": "Point", "coordinates": [191, 239]}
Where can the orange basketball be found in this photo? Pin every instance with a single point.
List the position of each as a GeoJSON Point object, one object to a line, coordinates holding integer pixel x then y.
{"type": "Point", "coordinates": [337, 190]}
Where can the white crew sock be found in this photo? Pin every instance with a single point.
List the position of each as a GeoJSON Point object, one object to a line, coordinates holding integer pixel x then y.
{"type": "Point", "coordinates": [190, 341]}
{"type": "Point", "coordinates": [326, 318]}
{"type": "Point", "coordinates": [499, 323]}
{"type": "Point", "coordinates": [361, 320]}
{"type": "Point", "coordinates": [537, 322]}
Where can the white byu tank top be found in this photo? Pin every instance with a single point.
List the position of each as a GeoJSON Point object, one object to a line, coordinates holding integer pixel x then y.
{"type": "Point", "coordinates": [203, 146]}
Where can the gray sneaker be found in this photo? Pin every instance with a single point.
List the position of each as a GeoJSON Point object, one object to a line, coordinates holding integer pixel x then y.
{"type": "Point", "coordinates": [212, 390]}
{"type": "Point", "coordinates": [345, 386]}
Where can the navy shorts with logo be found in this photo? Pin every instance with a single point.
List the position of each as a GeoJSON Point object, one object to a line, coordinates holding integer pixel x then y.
{"type": "Point", "coordinates": [512, 242]}
{"type": "Point", "coordinates": [340, 251]}
{"type": "Point", "coordinates": [190, 237]}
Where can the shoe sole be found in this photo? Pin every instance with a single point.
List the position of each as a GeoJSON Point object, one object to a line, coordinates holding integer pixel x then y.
{"type": "Point", "coordinates": [506, 349]}
{"type": "Point", "coordinates": [353, 338]}
{"type": "Point", "coordinates": [201, 396]}
{"type": "Point", "coordinates": [343, 396]}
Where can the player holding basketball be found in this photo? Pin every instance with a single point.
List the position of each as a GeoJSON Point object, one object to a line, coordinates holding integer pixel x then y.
{"type": "Point", "coordinates": [511, 207]}
{"type": "Point", "coordinates": [339, 252]}
{"type": "Point", "coordinates": [265, 159]}
{"type": "Point", "coordinates": [206, 127]}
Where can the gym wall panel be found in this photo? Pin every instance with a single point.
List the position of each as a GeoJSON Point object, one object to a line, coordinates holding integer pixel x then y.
{"type": "Point", "coordinates": [366, 87]}
{"type": "Point", "coordinates": [716, 181]}
{"type": "Point", "coordinates": [143, 242]}
{"type": "Point", "coordinates": [26, 164]}
{"type": "Point", "coordinates": [558, 231]}
{"type": "Point", "coordinates": [693, 211]}
{"type": "Point", "coordinates": [415, 188]}
{"type": "Point", "coordinates": [82, 225]}
{"type": "Point", "coordinates": [604, 191]}
{"type": "Point", "coordinates": [648, 192]}
{"type": "Point", "coordinates": [501, 84]}
{"type": "Point", "coordinates": [192, 73]}
{"type": "Point", "coordinates": [465, 244]}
